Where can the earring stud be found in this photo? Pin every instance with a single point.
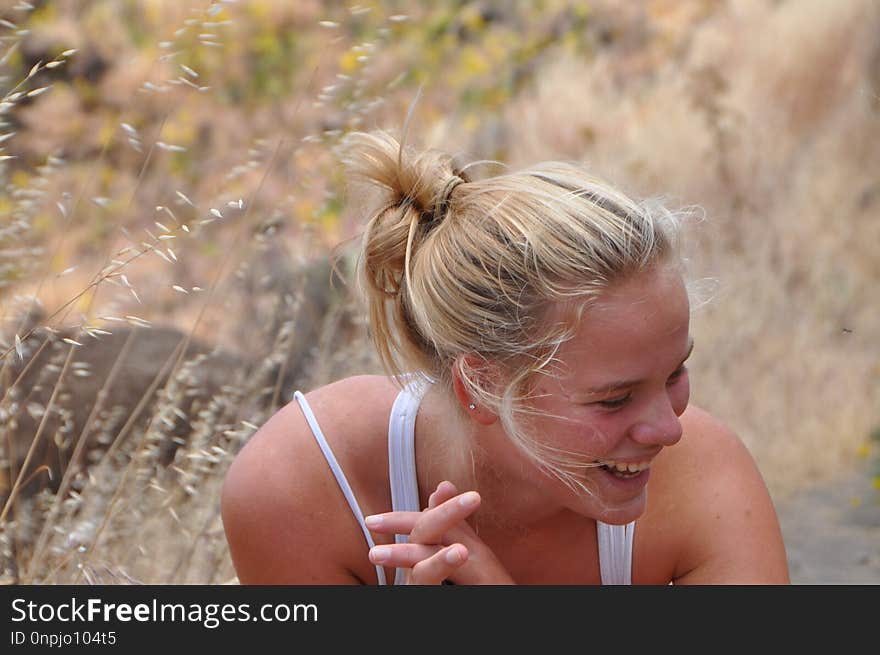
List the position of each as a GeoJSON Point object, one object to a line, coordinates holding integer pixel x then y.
{"type": "Point", "coordinates": [472, 407]}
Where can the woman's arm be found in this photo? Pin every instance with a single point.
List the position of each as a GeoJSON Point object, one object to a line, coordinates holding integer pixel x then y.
{"type": "Point", "coordinates": [730, 531]}
{"type": "Point", "coordinates": [278, 509]}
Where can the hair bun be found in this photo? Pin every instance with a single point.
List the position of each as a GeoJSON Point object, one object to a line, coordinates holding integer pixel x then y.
{"type": "Point", "coordinates": [441, 203]}
{"type": "Point", "coordinates": [423, 180]}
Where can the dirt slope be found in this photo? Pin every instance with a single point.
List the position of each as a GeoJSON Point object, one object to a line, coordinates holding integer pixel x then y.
{"type": "Point", "coordinates": [832, 531]}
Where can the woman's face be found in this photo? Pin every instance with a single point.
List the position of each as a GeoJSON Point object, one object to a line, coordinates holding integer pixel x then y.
{"type": "Point", "coordinates": [621, 389]}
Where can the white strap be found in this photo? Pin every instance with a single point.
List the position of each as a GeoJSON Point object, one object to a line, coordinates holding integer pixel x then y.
{"type": "Point", "coordinates": [402, 455]}
{"type": "Point", "coordinates": [340, 476]}
{"type": "Point", "coordinates": [615, 552]}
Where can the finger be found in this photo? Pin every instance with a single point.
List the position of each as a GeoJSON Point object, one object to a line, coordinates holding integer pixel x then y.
{"type": "Point", "coordinates": [437, 520]}
{"type": "Point", "coordinates": [405, 555]}
{"type": "Point", "coordinates": [445, 490]}
{"type": "Point", "coordinates": [393, 522]}
{"type": "Point", "coordinates": [439, 566]}
{"type": "Point", "coordinates": [433, 523]}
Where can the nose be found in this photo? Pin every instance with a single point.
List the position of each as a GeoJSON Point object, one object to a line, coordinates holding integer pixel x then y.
{"type": "Point", "coordinates": [660, 425]}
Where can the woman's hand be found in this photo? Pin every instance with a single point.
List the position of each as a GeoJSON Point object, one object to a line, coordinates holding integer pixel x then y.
{"type": "Point", "coordinates": [441, 543]}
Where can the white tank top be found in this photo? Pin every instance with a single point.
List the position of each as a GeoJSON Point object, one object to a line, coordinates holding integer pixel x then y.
{"type": "Point", "coordinates": [615, 541]}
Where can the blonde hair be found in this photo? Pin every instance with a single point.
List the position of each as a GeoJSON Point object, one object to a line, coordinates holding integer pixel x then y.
{"type": "Point", "coordinates": [452, 266]}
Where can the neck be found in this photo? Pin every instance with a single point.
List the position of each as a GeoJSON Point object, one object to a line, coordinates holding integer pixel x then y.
{"type": "Point", "coordinates": [478, 457]}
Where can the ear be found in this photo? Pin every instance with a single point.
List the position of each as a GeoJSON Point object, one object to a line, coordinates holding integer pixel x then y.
{"type": "Point", "coordinates": [480, 413]}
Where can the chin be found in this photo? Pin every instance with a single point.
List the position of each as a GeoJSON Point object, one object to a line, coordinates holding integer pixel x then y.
{"type": "Point", "coordinates": [619, 517]}
{"type": "Point", "coordinates": [617, 512]}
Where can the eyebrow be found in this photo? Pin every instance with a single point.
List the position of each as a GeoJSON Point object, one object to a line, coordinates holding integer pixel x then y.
{"type": "Point", "coordinates": [624, 384]}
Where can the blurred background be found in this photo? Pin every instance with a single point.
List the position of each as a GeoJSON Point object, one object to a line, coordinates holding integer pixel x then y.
{"type": "Point", "coordinates": [172, 208]}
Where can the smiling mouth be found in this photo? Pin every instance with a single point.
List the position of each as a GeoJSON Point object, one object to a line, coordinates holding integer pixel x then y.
{"type": "Point", "coordinates": [624, 470]}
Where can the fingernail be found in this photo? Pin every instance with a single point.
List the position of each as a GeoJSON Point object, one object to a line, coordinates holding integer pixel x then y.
{"type": "Point", "coordinates": [469, 500]}
{"type": "Point", "coordinates": [373, 521]}
{"type": "Point", "coordinates": [453, 556]}
{"type": "Point", "coordinates": [380, 553]}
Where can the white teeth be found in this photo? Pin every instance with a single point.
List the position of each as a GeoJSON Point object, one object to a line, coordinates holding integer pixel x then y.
{"type": "Point", "coordinates": [625, 467]}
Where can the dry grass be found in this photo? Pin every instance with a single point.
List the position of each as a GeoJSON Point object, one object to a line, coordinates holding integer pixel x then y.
{"type": "Point", "coordinates": [763, 114]}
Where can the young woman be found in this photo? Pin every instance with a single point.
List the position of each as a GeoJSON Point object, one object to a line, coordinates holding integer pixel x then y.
{"type": "Point", "coordinates": [534, 426]}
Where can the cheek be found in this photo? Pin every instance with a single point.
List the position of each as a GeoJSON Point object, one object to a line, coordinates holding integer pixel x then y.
{"type": "Point", "coordinates": [585, 433]}
{"type": "Point", "coordinates": [599, 434]}
{"type": "Point", "coordinates": [679, 395]}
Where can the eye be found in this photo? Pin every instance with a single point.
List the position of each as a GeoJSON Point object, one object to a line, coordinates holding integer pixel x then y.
{"type": "Point", "coordinates": [614, 403]}
{"type": "Point", "coordinates": [681, 370]}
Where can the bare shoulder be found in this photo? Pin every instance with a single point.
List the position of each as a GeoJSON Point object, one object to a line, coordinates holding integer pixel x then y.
{"type": "Point", "coordinates": [707, 439]}
{"type": "Point", "coordinates": [708, 457]}
{"type": "Point", "coordinates": [727, 531]}
{"type": "Point", "coordinates": [285, 516]}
